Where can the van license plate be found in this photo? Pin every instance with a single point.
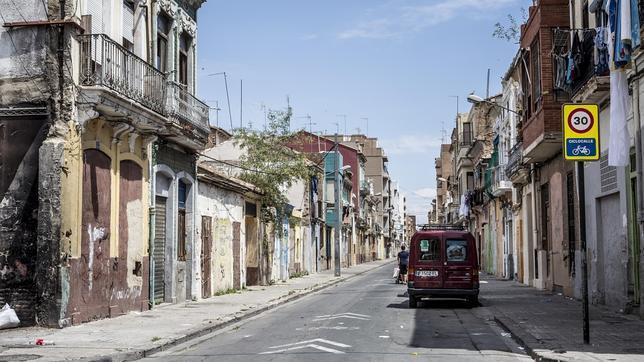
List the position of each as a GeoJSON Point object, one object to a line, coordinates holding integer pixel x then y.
{"type": "Point", "coordinates": [426, 273]}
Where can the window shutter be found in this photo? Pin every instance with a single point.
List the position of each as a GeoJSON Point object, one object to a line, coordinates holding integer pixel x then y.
{"type": "Point", "coordinates": [128, 22]}
{"type": "Point", "coordinates": [95, 9]}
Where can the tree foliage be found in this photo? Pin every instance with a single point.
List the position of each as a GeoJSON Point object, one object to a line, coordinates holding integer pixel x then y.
{"type": "Point", "coordinates": [269, 164]}
{"type": "Point", "coordinates": [511, 31]}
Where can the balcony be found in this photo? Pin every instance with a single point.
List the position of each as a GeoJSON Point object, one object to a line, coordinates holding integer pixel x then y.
{"type": "Point", "coordinates": [515, 170]}
{"type": "Point", "coordinates": [501, 183]}
{"type": "Point", "coordinates": [119, 84]}
{"type": "Point", "coordinates": [105, 63]}
{"type": "Point", "coordinates": [364, 188]}
{"type": "Point", "coordinates": [184, 106]}
{"type": "Point", "coordinates": [591, 81]}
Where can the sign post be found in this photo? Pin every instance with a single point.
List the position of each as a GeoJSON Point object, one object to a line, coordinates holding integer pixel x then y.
{"type": "Point", "coordinates": [580, 144]}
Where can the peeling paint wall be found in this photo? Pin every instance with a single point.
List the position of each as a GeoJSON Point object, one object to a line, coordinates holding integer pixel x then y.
{"type": "Point", "coordinates": [107, 266]}
{"type": "Point", "coordinates": [23, 83]}
{"type": "Point", "coordinates": [226, 208]}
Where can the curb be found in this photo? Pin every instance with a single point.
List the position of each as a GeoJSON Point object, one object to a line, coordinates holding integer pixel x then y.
{"type": "Point", "coordinates": [520, 337]}
{"type": "Point", "coordinates": [138, 354]}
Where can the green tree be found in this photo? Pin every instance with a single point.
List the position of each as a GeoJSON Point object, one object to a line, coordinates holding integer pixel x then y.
{"type": "Point", "coordinates": [270, 164]}
{"type": "Point", "coordinates": [511, 31]}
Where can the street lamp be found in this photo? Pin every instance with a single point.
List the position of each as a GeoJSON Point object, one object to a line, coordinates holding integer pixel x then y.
{"type": "Point", "coordinates": [230, 114]}
{"type": "Point", "coordinates": [474, 99]}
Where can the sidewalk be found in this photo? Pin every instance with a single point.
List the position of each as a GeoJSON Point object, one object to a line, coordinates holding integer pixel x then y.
{"type": "Point", "coordinates": [136, 334]}
{"type": "Point", "coordinates": [549, 326]}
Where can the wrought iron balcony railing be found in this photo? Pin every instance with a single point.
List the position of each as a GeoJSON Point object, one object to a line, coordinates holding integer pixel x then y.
{"type": "Point", "coordinates": [185, 106]}
{"type": "Point", "coordinates": [106, 63]}
{"type": "Point", "coordinates": [515, 159]}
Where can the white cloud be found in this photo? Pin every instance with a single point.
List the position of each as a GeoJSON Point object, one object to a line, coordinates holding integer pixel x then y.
{"type": "Point", "coordinates": [398, 17]}
{"type": "Point", "coordinates": [411, 144]}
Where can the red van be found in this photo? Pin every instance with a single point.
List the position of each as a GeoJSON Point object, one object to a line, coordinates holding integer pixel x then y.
{"type": "Point", "coordinates": [443, 263]}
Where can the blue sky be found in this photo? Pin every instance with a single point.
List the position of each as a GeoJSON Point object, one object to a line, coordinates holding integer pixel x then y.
{"type": "Point", "coordinates": [395, 62]}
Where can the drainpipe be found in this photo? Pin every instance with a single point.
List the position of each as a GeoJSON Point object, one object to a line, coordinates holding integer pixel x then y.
{"type": "Point", "coordinates": [640, 181]}
{"type": "Point", "coordinates": [151, 221]}
{"type": "Point", "coordinates": [196, 263]}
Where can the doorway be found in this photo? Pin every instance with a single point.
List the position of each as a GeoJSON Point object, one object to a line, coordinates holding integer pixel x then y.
{"type": "Point", "coordinates": [206, 256]}
{"type": "Point", "coordinates": [159, 249]}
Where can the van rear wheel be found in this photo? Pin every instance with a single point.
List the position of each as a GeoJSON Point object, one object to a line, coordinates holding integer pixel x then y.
{"type": "Point", "coordinates": [413, 302]}
{"type": "Point", "coordinates": [473, 300]}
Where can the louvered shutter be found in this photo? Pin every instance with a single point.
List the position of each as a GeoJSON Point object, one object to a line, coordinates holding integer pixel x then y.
{"type": "Point", "coordinates": [95, 9]}
{"type": "Point", "coordinates": [128, 22]}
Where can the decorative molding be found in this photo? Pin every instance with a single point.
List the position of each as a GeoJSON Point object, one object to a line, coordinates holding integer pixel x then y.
{"type": "Point", "coordinates": [118, 130]}
{"type": "Point", "coordinates": [133, 137]}
{"type": "Point", "coordinates": [187, 24]}
{"type": "Point", "coordinates": [85, 114]}
{"type": "Point", "coordinates": [169, 7]}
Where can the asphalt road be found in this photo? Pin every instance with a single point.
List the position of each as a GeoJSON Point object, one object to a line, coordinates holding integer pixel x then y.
{"type": "Point", "coordinates": [363, 319]}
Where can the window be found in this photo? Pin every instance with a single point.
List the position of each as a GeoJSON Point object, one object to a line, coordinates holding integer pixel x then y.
{"type": "Point", "coordinates": [456, 249]}
{"type": "Point", "coordinates": [128, 24]}
{"type": "Point", "coordinates": [536, 73]}
{"type": "Point", "coordinates": [184, 47]}
{"type": "Point", "coordinates": [470, 181]}
{"type": "Point", "coordinates": [163, 34]}
{"type": "Point", "coordinates": [525, 84]}
{"type": "Point", "coordinates": [466, 137]}
{"type": "Point", "coordinates": [429, 250]}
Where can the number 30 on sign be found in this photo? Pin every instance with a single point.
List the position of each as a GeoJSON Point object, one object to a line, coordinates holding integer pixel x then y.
{"type": "Point", "coordinates": [581, 132]}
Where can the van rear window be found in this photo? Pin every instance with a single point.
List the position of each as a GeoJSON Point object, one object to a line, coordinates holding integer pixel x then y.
{"type": "Point", "coordinates": [429, 249]}
{"type": "Point", "coordinates": [456, 249]}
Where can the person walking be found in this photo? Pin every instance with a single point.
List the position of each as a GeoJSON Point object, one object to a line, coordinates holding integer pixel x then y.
{"type": "Point", "coordinates": [403, 261]}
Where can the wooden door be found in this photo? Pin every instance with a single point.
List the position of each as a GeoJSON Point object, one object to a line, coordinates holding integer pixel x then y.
{"type": "Point", "coordinates": [206, 255]}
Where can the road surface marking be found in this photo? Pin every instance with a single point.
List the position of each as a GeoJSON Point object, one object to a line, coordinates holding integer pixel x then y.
{"type": "Point", "coordinates": [309, 344]}
{"type": "Point", "coordinates": [328, 317]}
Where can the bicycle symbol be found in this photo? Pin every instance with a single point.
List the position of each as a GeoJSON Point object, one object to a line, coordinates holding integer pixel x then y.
{"type": "Point", "coordinates": [581, 151]}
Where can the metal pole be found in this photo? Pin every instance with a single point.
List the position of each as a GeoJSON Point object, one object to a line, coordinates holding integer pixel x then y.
{"type": "Point", "coordinates": [582, 247]}
{"type": "Point", "coordinates": [337, 200]}
{"type": "Point", "coordinates": [487, 87]}
{"type": "Point", "coordinates": [640, 185]}
{"type": "Point", "coordinates": [241, 103]}
{"type": "Point", "coordinates": [230, 113]}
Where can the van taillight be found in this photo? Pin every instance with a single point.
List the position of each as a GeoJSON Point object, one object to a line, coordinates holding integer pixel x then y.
{"type": "Point", "coordinates": [475, 277]}
{"type": "Point", "coordinates": [410, 274]}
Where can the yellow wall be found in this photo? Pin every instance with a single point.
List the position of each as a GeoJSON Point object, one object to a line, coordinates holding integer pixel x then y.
{"type": "Point", "coordinates": [98, 134]}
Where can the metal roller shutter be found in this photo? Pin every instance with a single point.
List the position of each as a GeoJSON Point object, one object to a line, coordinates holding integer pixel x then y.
{"type": "Point", "coordinates": [159, 249]}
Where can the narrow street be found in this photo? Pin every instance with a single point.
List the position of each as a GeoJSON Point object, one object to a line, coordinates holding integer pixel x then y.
{"type": "Point", "coordinates": [366, 318]}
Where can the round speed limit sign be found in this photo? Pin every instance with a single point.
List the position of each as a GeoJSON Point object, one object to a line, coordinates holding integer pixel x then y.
{"type": "Point", "coordinates": [580, 120]}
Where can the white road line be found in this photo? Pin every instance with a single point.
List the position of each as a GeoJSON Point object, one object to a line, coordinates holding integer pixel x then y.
{"type": "Point", "coordinates": [318, 347]}
{"type": "Point", "coordinates": [320, 340]}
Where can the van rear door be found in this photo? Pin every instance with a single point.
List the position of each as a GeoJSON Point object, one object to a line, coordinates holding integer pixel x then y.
{"type": "Point", "coordinates": [459, 262]}
{"type": "Point", "coordinates": [428, 262]}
